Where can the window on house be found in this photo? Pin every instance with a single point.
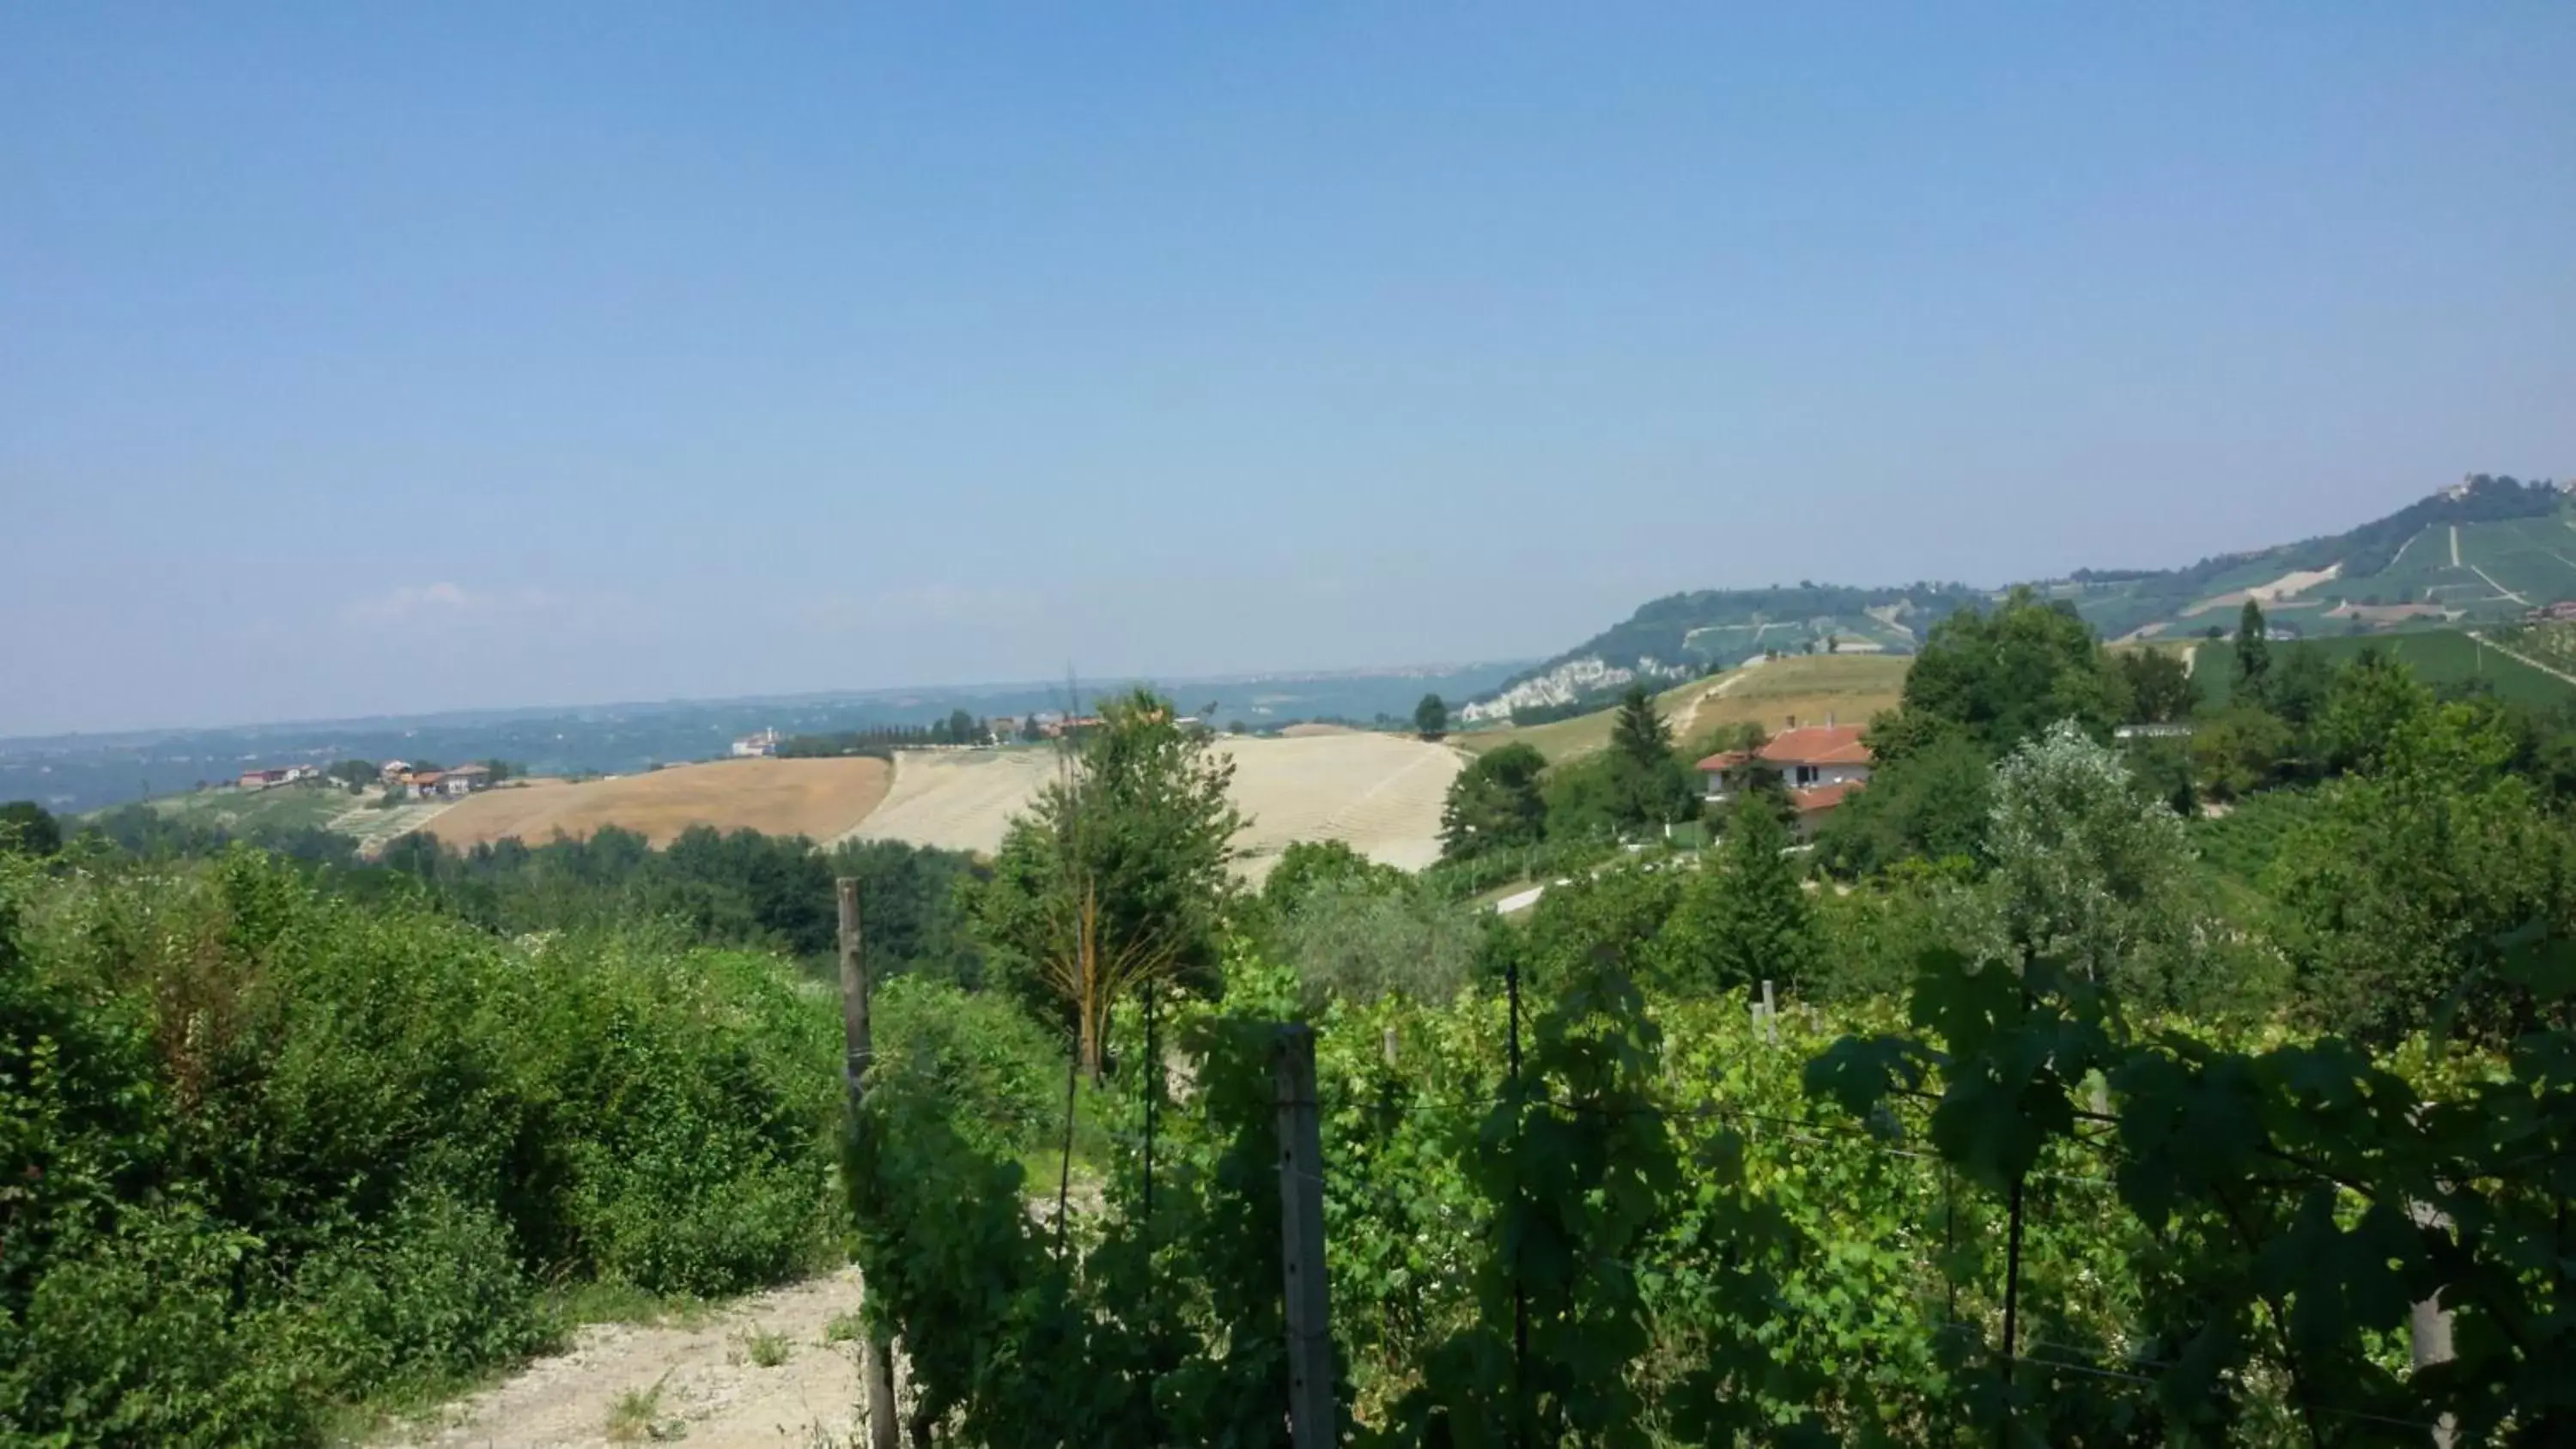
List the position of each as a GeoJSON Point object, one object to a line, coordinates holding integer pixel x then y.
{"type": "Point", "coordinates": [1807, 774]}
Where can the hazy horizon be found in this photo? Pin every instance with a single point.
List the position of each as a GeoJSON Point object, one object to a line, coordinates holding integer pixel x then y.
{"type": "Point", "coordinates": [375, 362]}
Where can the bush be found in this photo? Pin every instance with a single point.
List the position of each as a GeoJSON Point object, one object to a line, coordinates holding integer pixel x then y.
{"type": "Point", "coordinates": [1004, 1072]}
{"type": "Point", "coordinates": [270, 1152]}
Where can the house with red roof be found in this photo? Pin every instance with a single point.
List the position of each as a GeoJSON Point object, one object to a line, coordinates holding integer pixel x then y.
{"type": "Point", "coordinates": [1819, 764]}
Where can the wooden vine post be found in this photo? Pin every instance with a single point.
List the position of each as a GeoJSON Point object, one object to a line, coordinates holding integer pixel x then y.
{"type": "Point", "coordinates": [1311, 1416]}
{"type": "Point", "coordinates": [858, 1045]}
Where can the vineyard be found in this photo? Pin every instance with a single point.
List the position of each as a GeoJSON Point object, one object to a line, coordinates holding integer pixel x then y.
{"type": "Point", "coordinates": [2551, 645]}
{"type": "Point", "coordinates": [1628, 1217]}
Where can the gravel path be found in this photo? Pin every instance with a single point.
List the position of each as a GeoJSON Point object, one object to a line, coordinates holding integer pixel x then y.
{"type": "Point", "coordinates": [711, 1395]}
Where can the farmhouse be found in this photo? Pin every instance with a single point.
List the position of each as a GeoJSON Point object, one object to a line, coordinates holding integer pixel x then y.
{"type": "Point", "coordinates": [454, 784]}
{"type": "Point", "coordinates": [1820, 765]}
{"type": "Point", "coordinates": [262, 779]}
{"type": "Point", "coordinates": [759, 744]}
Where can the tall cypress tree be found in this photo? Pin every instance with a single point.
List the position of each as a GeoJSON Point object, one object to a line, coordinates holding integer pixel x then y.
{"type": "Point", "coordinates": [2253, 656]}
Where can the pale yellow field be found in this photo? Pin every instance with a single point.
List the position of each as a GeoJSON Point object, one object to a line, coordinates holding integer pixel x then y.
{"type": "Point", "coordinates": [819, 798]}
{"type": "Point", "coordinates": [1379, 793]}
{"type": "Point", "coordinates": [1848, 687]}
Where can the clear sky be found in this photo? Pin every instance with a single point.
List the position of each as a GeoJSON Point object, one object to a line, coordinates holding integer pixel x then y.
{"type": "Point", "coordinates": [373, 357]}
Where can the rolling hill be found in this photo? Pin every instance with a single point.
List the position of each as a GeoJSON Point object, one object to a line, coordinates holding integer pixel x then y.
{"type": "Point", "coordinates": [1767, 692]}
{"type": "Point", "coordinates": [2482, 551]}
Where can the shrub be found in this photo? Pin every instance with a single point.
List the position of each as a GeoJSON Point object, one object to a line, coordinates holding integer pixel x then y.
{"type": "Point", "coordinates": [269, 1151]}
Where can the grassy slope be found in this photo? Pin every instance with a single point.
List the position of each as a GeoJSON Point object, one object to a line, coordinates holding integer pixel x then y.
{"type": "Point", "coordinates": [1851, 687]}
{"type": "Point", "coordinates": [283, 807]}
{"type": "Point", "coordinates": [2438, 657]}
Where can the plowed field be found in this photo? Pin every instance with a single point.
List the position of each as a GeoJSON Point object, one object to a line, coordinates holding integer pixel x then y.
{"type": "Point", "coordinates": [820, 798]}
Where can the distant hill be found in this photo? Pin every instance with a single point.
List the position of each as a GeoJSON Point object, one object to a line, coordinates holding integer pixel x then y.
{"type": "Point", "coordinates": [2482, 550]}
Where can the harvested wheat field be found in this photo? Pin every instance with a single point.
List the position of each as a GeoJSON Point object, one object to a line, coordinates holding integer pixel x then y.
{"type": "Point", "coordinates": [820, 798]}
{"type": "Point", "coordinates": [1379, 793]}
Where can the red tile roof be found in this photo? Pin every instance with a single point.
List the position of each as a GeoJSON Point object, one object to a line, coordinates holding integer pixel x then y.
{"type": "Point", "coordinates": [1822, 797]}
{"type": "Point", "coordinates": [1805, 745]}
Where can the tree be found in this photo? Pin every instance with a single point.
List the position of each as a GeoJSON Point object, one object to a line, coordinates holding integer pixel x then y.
{"type": "Point", "coordinates": [2298, 690]}
{"type": "Point", "coordinates": [1431, 717]}
{"type": "Point", "coordinates": [2372, 699]}
{"type": "Point", "coordinates": [2161, 689]}
{"type": "Point", "coordinates": [1117, 875]}
{"type": "Point", "coordinates": [2253, 655]}
{"type": "Point", "coordinates": [1495, 804]}
{"type": "Point", "coordinates": [2090, 872]}
{"type": "Point", "coordinates": [1743, 918]}
{"type": "Point", "coordinates": [961, 728]}
{"type": "Point", "coordinates": [356, 774]}
{"type": "Point", "coordinates": [2239, 750]}
{"type": "Point", "coordinates": [1651, 785]}
{"type": "Point", "coordinates": [2401, 886]}
{"type": "Point", "coordinates": [2004, 676]}
{"type": "Point", "coordinates": [1360, 937]}
{"type": "Point", "coordinates": [29, 828]}
{"type": "Point", "coordinates": [1931, 805]}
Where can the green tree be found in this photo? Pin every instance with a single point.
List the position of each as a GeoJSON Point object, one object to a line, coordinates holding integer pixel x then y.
{"type": "Point", "coordinates": [356, 774]}
{"type": "Point", "coordinates": [2089, 872]}
{"type": "Point", "coordinates": [2253, 656]}
{"type": "Point", "coordinates": [29, 828]}
{"type": "Point", "coordinates": [2401, 886]}
{"type": "Point", "coordinates": [1358, 937]}
{"type": "Point", "coordinates": [1931, 804]}
{"type": "Point", "coordinates": [2161, 690]}
{"type": "Point", "coordinates": [1118, 874]}
{"type": "Point", "coordinates": [1743, 917]}
{"type": "Point", "coordinates": [1495, 804]}
{"type": "Point", "coordinates": [2004, 675]}
{"type": "Point", "coordinates": [2299, 689]}
{"type": "Point", "coordinates": [2374, 698]}
{"type": "Point", "coordinates": [1431, 717]}
{"type": "Point", "coordinates": [1309, 864]}
{"type": "Point", "coordinates": [1652, 785]}
{"type": "Point", "coordinates": [2239, 750]}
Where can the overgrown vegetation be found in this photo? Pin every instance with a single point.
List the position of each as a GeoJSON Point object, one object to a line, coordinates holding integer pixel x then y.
{"type": "Point", "coordinates": [270, 1151]}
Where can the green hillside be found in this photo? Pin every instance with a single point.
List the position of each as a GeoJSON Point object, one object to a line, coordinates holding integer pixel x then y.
{"type": "Point", "coordinates": [2441, 657]}
{"type": "Point", "coordinates": [2483, 551]}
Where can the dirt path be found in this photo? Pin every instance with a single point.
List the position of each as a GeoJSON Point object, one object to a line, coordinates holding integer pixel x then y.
{"type": "Point", "coordinates": [2499, 588]}
{"type": "Point", "coordinates": [710, 1396]}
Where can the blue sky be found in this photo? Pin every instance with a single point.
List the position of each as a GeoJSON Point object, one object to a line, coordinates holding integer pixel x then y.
{"type": "Point", "coordinates": [363, 357]}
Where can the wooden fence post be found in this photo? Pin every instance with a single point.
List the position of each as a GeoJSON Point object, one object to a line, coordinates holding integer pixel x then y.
{"type": "Point", "coordinates": [858, 1052]}
{"type": "Point", "coordinates": [1311, 1416]}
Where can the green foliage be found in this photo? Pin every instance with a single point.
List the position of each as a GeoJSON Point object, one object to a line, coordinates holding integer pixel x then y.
{"type": "Point", "coordinates": [270, 1152]}
{"type": "Point", "coordinates": [1140, 829]}
{"type": "Point", "coordinates": [2088, 871]}
{"type": "Point", "coordinates": [740, 889]}
{"type": "Point", "coordinates": [1743, 917]}
{"type": "Point", "coordinates": [1649, 784]}
{"type": "Point", "coordinates": [1931, 803]}
{"type": "Point", "coordinates": [2398, 886]}
{"type": "Point", "coordinates": [2240, 749]}
{"type": "Point", "coordinates": [1355, 939]}
{"type": "Point", "coordinates": [1495, 804]}
{"type": "Point", "coordinates": [2002, 676]}
{"type": "Point", "coordinates": [1431, 717]}
{"type": "Point", "coordinates": [1002, 1071]}
{"type": "Point", "coordinates": [2161, 689]}
{"type": "Point", "coordinates": [2253, 657]}
{"type": "Point", "coordinates": [29, 829]}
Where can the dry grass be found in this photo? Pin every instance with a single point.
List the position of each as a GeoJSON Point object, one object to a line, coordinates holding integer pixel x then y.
{"type": "Point", "coordinates": [1847, 687]}
{"type": "Point", "coordinates": [820, 798]}
{"type": "Point", "coordinates": [1381, 793]}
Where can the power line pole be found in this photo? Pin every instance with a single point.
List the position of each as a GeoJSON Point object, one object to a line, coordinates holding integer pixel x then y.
{"type": "Point", "coordinates": [858, 1045]}
{"type": "Point", "coordinates": [1311, 1418]}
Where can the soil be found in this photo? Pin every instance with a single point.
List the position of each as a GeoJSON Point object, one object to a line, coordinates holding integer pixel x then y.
{"type": "Point", "coordinates": [712, 1396]}
{"type": "Point", "coordinates": [819, 798]}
